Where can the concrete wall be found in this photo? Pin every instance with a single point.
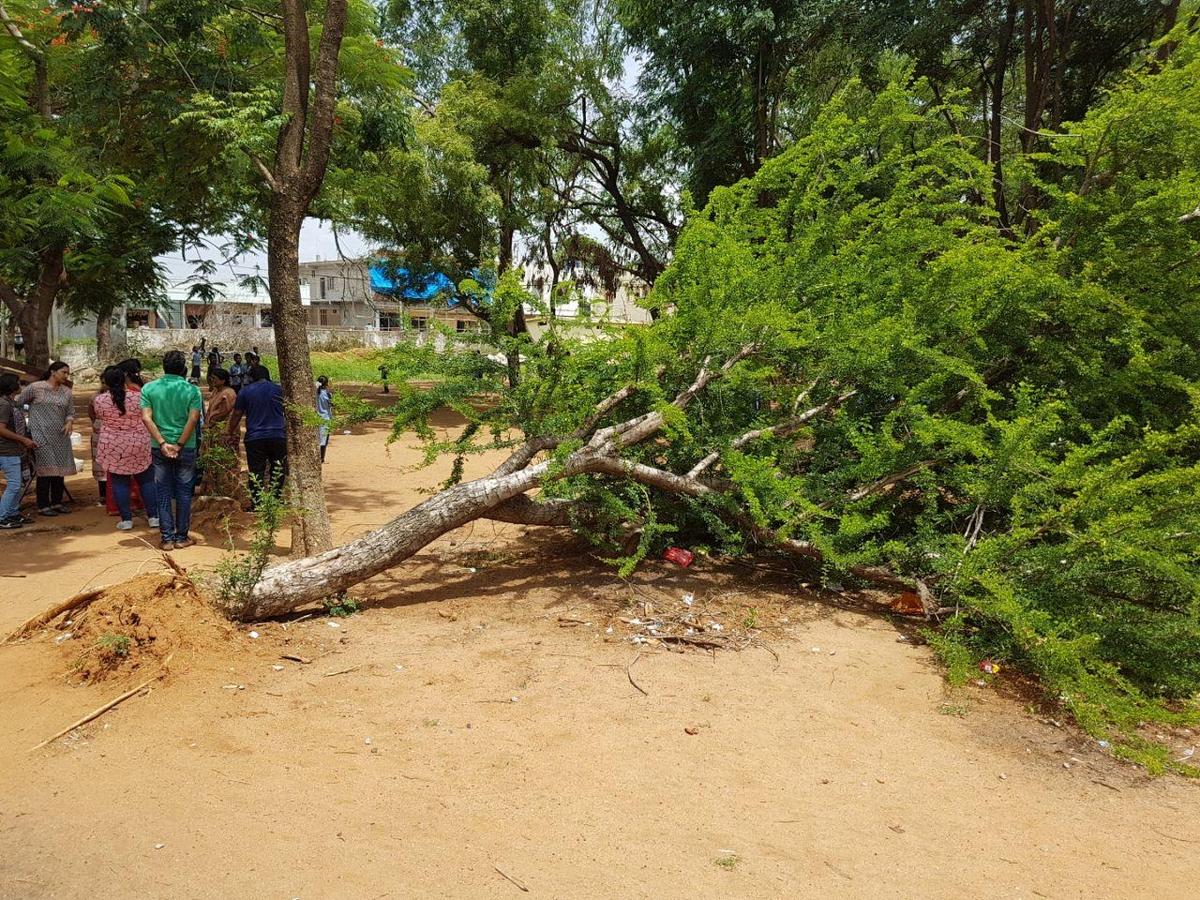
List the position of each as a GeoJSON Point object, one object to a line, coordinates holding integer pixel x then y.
{"type": "Point", "coordinates": [159, 340]}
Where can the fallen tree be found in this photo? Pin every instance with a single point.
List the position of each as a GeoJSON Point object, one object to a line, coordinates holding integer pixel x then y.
{"type": "Point", "coordinates": [856, 367]}
{"type": "Point", "coordinates": [500, 495]}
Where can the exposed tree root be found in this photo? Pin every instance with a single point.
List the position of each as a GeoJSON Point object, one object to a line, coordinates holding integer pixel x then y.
{"type": "Point", "coordinates": [78, 601]}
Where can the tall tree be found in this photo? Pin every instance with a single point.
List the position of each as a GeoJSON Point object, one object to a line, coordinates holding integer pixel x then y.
{"type": "Point", "coordinates": [57, 197]}
{"type": "Point", "coordinates": [294, 179]}
{"type": "Point", "coordinates": [301, 89]}
{"type": "Point", "coordinates": [99, 177]}
{"type": "Point", "coordinates": [720, 71]}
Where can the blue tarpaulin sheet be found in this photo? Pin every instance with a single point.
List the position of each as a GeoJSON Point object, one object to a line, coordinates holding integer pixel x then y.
{"type": "Point", "coordinates": [417, 288]}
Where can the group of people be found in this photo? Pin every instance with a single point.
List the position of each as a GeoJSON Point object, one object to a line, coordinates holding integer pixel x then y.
{"type": "Point", "coordinates": [147, 435]}
{"type": "Point", "coordinates": [238, 369]}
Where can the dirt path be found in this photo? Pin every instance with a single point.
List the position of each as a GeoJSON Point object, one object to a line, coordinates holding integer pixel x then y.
{"type": "Point", "coordinates": [474, 730]}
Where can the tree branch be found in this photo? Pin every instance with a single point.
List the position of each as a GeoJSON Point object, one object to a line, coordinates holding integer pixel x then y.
{"type": "Point", "coordinates": [660, 478]}
{"type": "Point", "coordinates": [15, 32]}
{"type": "Point", "coordinates": [10, 298]}
{"type": "Point", "coordinates": [608, 440]}
{"type": "Point", "coordinates": [263, 170]}
{"type": "Point", "coordinates": [297, 54]}
{"type": "Point", "coordinates": [886, 482]}
{"type": "Point", "coordinates": [682, 484]}
{"type": "Point", "coordinates": [781, 430]}
{"type": "Point", "coordinates": [320, 128]}
{"type": "Point", "coordinates": [524, 510]}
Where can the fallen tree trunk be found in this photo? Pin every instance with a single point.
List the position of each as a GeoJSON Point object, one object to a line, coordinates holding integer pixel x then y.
{"type": "Point", "coordinates": [314, 578]}
{"type": "Point", "coordinates": [523, 510]}
{"type": "Point", "coordinates": [501, 496]}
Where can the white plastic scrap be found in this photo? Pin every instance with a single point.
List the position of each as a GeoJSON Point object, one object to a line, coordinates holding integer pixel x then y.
{"type": "Point", "coordinates": [688, 599]}
{"type": "Point", "coordinates": [254, 634]}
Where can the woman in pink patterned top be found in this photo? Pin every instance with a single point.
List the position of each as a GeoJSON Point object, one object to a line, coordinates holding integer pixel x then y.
{"type": "Point", "coordinates": [124, 447]}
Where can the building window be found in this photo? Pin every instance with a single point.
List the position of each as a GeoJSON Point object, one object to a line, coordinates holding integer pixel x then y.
{"type": "Point", "coordinates": [322, 287]}
{"type": "Point", "coordinates": [327, 317]}
{"type": "Point", "coordinates": [391, 321]}
{"type": "Point", "coordinates": [264, 319]}
{"type": "Point", "coordinates": [137, 318]}
{"type": "Point", "coordinates": [420, 324]}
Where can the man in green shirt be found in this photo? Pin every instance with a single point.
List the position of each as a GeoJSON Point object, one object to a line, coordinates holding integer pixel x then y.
{"type": "Point", "coordinates": [171, 411]}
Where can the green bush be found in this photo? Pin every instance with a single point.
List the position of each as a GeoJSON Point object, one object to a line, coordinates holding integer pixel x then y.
{"type": "Point", "coordinates": [1040, 403]}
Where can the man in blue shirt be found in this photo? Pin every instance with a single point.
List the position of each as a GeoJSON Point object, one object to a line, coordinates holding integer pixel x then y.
{"type": "Point", "coordinates": [261, 402]}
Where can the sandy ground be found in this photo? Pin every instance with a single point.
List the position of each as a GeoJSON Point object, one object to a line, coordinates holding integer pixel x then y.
{"type": "Point", "coordinates": [474, 723]}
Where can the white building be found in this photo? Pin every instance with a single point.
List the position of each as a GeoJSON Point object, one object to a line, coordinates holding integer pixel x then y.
{"type": "Point", "coordinates": [342, 297]}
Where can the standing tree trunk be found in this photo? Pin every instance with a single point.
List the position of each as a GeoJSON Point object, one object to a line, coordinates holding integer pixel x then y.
{"type": "Point", "coordinates": [310, 532]}
{"type": "Point", "coordinates": [34, 319]}
{"type": "Point", "coordinates": [301, 158]}
{"type": "Point", "coordinates": [999, 70]}
{"type": "Point", "coordinates": [103, 338]}
{"type": "Point", "coordinates": [32, 312]}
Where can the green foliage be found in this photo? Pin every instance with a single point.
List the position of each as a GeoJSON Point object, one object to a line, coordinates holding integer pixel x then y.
{"type": "Point", "coordinates": [342, 606]}
{"type": "Point", "coordinates": [1041, 385]}
{"type": "Point", "coordinates": [114, 645]}
{"type": "Point", "coordinates": [1010, 419]}
{"type": "Point", "coordinates": [237, 574]}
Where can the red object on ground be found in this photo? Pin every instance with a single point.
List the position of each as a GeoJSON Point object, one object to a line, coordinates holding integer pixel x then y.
{"type": "Point", "coordinates": [135, 499]}
{"type": "Point", "coordinates": [679, 556]}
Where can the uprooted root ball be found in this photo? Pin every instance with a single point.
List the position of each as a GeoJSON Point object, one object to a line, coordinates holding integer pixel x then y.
{"type": "Point", "coordinates": [135, 625]}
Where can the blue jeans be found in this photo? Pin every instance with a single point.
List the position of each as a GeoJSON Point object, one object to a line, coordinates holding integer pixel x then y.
{"type": "Point", "coordinates": [10, 503]}
{"type": "Point", "coordinates": [120, 486]}
{"type": "Point", "coordinates": [173, 482]}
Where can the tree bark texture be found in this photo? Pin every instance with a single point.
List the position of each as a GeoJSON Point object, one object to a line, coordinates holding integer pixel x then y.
{"type": "Point", "coordinates": [103, 338]}
{"type": "Point", "coordinates": [996, 115]}
{"type": "Point", "coordinates": [32, 312]}
{"type": "Point", "coordinates": [311, 532]}
{"type": "Point", "coordinates": [301, 158]}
